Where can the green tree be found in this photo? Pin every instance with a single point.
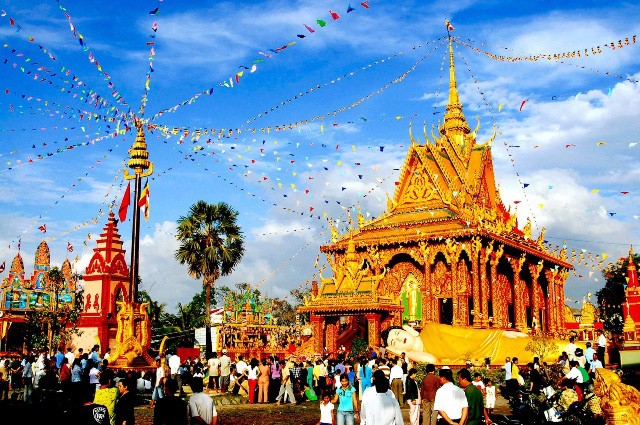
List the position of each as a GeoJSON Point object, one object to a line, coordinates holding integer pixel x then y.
{"type": "Point", "coordinates": [211, 245]}
{"type": "Point", "coordinates": [612, 296]}
{"type": "Point", "coordinates": [61, 321]}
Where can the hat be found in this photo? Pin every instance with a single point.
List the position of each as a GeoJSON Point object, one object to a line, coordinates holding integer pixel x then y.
{"type": "Point", "coordinates": [445, 367]}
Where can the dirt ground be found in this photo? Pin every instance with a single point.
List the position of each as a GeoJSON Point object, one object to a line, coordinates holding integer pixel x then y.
{"type": "Point", "coordinates": [307, 413]}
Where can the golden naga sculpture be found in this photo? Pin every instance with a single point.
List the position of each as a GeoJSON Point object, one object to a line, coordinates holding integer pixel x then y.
{"type": "Point", "coordinates": [620, 402]}
{"type": "Point", "coordinates": [131, 339]}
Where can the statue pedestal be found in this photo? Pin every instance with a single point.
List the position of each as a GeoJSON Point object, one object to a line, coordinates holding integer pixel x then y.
{"type": "Point", "coordinates": [133, 338]}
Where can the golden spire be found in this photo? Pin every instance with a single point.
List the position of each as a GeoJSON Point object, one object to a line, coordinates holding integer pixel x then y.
{"type": "Point", "coordinates": [454, 121]}
{"type": "Point", "coordinates": [139, 156]}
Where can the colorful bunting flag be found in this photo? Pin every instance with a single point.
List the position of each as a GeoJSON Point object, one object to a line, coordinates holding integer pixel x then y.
{"type": "Point", "coordinates": [69, 247]}
{"type": "Point", "coordinates": [334, 15]}
{"type": "Point", "coordinates": [43, 228]}
{"type": "Point", "coordinates": [124, 205]}
{"type": "Point", "coordinates": [2, 266]}
{"type": "Point", "coordinates": [143, 202]}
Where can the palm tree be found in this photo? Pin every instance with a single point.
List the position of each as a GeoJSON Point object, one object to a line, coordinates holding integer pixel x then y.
{"type": "Point", "coordinates": [211, 245]}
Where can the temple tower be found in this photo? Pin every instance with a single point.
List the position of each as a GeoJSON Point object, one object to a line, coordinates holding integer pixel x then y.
{"type": "Point", "coordinates": [445, 251]}
{"type": "Point", "coordinates": [106, 280]}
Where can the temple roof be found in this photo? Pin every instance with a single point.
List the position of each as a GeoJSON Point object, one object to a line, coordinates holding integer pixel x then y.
{"type": "Point", "coordinates": [43, 256]}
{"type": "Point", "coordinates": [17, 266]}
{"type": "Point", "coordinates": [447, 188]}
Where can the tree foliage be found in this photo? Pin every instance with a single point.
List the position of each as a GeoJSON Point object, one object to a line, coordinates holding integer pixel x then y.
{"type": "Point", "coordinates": [211, 245]}
{"type": "Point", "coordinates": [51, 327]}
{"type": "Point", "coordinates": [612, 296]}
{"type": "Point", "coordinates": [542, 346]}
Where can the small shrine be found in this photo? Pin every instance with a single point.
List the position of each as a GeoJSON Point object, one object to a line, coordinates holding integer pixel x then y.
{"type": "Point", "coordinates": [446, 250]}
{"type": "Point", "coordinates": [20, 294]}
{"type": "Point", "coordinates": [106, 282]}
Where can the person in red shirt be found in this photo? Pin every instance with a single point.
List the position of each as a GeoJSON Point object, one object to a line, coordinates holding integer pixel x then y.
{"type": "Point", "coordinates": [430, 384]}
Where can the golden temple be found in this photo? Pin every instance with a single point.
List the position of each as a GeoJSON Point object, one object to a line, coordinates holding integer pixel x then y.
{"type": "Point", "coordinates": [445, 251]}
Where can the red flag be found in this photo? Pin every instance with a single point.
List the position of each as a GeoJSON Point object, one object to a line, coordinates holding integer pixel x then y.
{"type": "Point", "coordinates": [522, 104]}
{"type": "Point", "coordinates": [449, 26]}
{"type": "Point", "coordinates": [69, 247]}
{"type": "Point", "coordinates": [124, 205]}
{"type": "Point", "coordinates": [2, 267]}
{"type": "Point", "coordinates": [12, 22]}
{"type": "Point", "coordinates": [43, 228]}
{"type": "Point", "coordinates": [365, 5]}
{"type": "Point", "coordinates": [334, 15]}
{"type": "Point", "coordinates": [309, 28]}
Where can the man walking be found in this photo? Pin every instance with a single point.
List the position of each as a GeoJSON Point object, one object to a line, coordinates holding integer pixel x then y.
{"type": "Point", "coordinates": [430, 385]}
{"type": "Point", "coordinates": [214, 371]}
{"type": "Point", "coordinates": [451, 402]}
{"type": "Point", "coordinates": [476, 410]}
{"type": "Point", "coordinates": [225, 371]}
{"type": "Point", "coordinates": [201, 407]}
{"type": "Point", "coordinates": [602, 345]}
{"type": "Point", "coordinates": [174, 370]}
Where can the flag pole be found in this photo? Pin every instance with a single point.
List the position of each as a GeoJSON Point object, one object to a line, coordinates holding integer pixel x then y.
{"type": "Point", "coordinates": [141, 167]}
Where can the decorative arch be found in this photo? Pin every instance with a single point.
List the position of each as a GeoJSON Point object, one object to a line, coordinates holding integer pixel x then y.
{"type": "Point", "coordinates": [96, 265]}
{"type": "Point", "coordinates": [119, 265]}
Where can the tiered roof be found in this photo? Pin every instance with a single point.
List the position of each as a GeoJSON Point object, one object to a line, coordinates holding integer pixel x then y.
{"type": "Point", "coordinates": [447, 189]}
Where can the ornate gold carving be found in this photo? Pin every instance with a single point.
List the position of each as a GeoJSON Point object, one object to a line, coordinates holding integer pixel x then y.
{"type": "Point", "coordinates": [334, 232]}
{"type": "Point", "coordinates": [132, 337]}
{"type": "Point", "coordinates": [498, 254]}
{"type": "Point", "coordinates": [620, 402]}
{"type": "Point", "coordinates": [540, 240]}
{"type": "Point", "coordinates": [527, 229]}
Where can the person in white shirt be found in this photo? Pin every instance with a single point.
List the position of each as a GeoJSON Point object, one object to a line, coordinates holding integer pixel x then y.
{"type": "Point", "coordinates": [575, 373]}
{"type": "Point", "coordinates": [70, 356]}
{"type": "Point", "coordinates": [602, 345]}
{"type": "Point", "coordinates": [595, 364]}
{"type": "Point", "coordinates": [395, 380]}
{"type": "Point", "coordinates": [379, 407]}
{"type": "Point", "coordinates": [241, 366]}
{"type": "Point", "coordinates": [214, 371]}
{"type": "Point", "coordinates": [451, 401]}
{"type": "Point", "coordinates": [570, 349]}
{"type": "Point", "coordinates": [201, 407]}
{"type": "Point", "coordinates": [225, 371]}
{"type": "Point", "coordinates": [158, 391]}
{"type": "Point", "coordinates": [174, 370]}
{"type": "Point", "coordinates": [507, 369]}
{"type": "Point", "coordinates": [588, 354]}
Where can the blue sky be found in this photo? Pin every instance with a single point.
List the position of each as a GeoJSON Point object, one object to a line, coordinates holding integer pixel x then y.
{"type": "Point", "coordinates": [350, 157]}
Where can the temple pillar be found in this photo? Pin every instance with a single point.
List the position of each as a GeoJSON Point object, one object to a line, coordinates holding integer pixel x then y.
{"type": "Point", "coordinates": [475, 288]}
{"type": "Point", "coordinates": [427, 295]}
{"type": "Point", "coordinates": [499, 319]}
{"type": "Point", "coordinates": [374, 328]}
{"type": "Point", "coordinates": [485, 294]}
{"type": "Point", "coordinates": [561, 279]}
{"type": "Point", "coordinates": [534, 270]}
{"type": "Point", "coordinates": [551, 301]}
{"type": "Point", "coordinates": [332, 335]}
{"type": "Point", "coordinates": [317, 326]}
{"type": "Point", "coordinates": [518, 294]}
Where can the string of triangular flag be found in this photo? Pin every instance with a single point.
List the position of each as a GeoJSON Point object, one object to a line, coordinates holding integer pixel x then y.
{"type": "Point", "coordinates": [92, 59]}
{"type": "Point", "coordinates": [267, 54]}
{"type": "Point", "coordinates": [151, 44]}
{"type": "Point", "coordinates": [555, 57]}
{"type": "Point", "coordinates": [290, 126]}
{"type": "Point", "coordinates": [70, 83]}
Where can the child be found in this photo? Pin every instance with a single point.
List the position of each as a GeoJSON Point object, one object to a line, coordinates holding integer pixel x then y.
{"type": "Point", "coordinates": [477, 381]}
{"type": "Point", "coordinates": [327, 414]}
{"type": "Point", "coordinates": [490, 390]}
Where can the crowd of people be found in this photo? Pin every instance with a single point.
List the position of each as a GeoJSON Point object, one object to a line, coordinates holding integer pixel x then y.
{"type": "Point", "coordinates": [370, 389]}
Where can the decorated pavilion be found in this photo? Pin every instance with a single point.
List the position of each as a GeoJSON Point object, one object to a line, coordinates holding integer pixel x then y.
{"type": "Point", "coordinates": [20, 294]}
{"type": "Point", "coordinates": [446, 250]}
